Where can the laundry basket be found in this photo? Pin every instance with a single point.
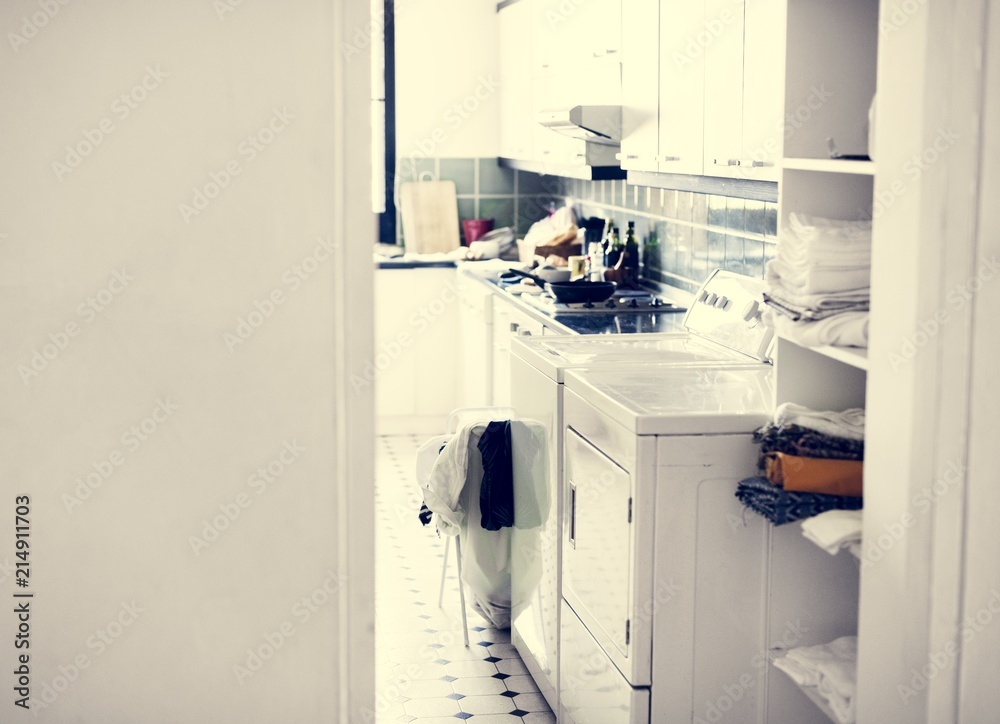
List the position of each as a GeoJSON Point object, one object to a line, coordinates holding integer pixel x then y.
{"type": "Point", "coordinates": [487, 570]}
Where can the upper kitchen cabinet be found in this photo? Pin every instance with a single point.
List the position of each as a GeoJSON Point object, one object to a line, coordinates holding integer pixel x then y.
{"type": "Point", "coordinates": [569, 32]}
{"type": "Point", "coordinates": [557, 56]}
{"type": "Point", "coordinates": [721, 40]}
{"type": "Point", "coordinates": [744, 47]}
{"type": "Point", "coordinates": [764, 36]}
{"type": "Point", "coordinates": [517, 123]}
{"type": "Point", "coordinates": [576, 61]}
{"type": "Point", "coordinates": [640, 90]}
{"type": "Point", "coordinates": [681, 86]}
{"type": "Point", "coordinates": [830, 78]}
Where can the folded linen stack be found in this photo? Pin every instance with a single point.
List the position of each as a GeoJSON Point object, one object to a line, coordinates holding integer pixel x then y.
{"type": "Point", "coordinates": [812, 462]}
{"type": "Point", "coordinates": [818, 284]}
{"type": "Point", "coordinates": [832, 669]}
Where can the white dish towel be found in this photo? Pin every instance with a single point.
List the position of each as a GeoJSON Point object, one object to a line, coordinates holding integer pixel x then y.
{"type": "Point", "coordinates": [832, 668]}
{"type": "Point", "coordinates": [834, 529]}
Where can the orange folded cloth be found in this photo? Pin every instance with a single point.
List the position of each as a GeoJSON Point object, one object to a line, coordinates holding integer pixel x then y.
{"type": "Point", "coordinates": [815, 475]}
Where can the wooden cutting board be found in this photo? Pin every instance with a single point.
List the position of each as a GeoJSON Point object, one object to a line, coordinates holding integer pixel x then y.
{"type": "Point", "coordinates": [430, 216]}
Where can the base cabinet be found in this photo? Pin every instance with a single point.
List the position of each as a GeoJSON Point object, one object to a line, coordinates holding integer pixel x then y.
{"type": "Point", "coordinates": [416, 356]}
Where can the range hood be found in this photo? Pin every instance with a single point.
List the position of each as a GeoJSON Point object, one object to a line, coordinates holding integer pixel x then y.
{"type": "Point", "coordinates": [596, 124]}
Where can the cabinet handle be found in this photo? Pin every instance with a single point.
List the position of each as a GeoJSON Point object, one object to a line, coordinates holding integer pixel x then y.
{"type": "Point", "coordinates": [524, 333]}
{"type": "Point", "coordinates": [514, 327]}
{"type": "Point", "coordinates": [669, 159]}
{"type": "Point", "coordinates": [761, 164]}
{"type": "Point", "coordinates": [602, 53]}
{"type": "Point", "coordinates": [571, 533]}
{"type": "Point", "coordinates": [730, 162]}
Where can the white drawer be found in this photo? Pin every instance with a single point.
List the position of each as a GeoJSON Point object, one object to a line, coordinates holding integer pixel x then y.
{"type": "Point", "coordinates": [591, 689]}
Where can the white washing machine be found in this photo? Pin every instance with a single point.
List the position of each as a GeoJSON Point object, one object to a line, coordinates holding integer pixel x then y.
{"type": "Point", "coordinates": [663, 578]}
{"type": "Point", "coordinates": [723, 328]}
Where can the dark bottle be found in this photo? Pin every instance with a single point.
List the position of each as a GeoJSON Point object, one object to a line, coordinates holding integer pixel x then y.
{"type": "Point", "coordinates": [615, 249]}
{"type": "Point", "coordinates": [631, 247]}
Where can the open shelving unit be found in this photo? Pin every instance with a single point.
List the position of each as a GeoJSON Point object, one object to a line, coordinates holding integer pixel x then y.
{"type": "Point", "coordinates": [832, 47]}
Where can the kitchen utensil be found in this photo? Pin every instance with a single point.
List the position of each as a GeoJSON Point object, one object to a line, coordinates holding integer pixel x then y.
{"type": "Point", "coordinates": [429, 210]}
{"type": "Point", "coordinates": [573, 292]}
{"type": "Point", "coordinates": [475, 229]}
{"type": "Point", "coordinates": [553, 274]}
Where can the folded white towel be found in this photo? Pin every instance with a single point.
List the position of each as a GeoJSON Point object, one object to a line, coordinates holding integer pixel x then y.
{"type": "Point", "coordinates": [811, 278]}
{"type": "Point", "coordinates": [819, 232]}
{"type": "Point", "coordinates": [847, 329]}
{"type": "Point", "coordinates": [832, 669]}
{"type": "Point", "coordinates": [815, 301]}
{"type": "Point", "coordinates": [834, 529]}
{"type": "Point", "coordinates": [850, 423]}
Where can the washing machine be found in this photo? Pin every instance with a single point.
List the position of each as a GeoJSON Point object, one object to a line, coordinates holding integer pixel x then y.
{"type": "Point", "coordinates": [663, 577]}
{"type": "Point", "coordinates": [722, 328]}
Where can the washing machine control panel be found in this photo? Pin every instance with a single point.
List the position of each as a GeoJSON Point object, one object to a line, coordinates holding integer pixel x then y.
{"type": "Point", "coordinates": [727, 309]}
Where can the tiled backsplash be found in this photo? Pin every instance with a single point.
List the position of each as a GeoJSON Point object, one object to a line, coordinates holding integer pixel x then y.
{"type": "Point", "coordinates": [488, 191]}
{"type": "Point", "coordinates": [696, 233]}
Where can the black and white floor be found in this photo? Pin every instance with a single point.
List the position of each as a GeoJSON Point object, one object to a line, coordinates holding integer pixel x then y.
{"type": "Point", "coordinates": [424, 672]}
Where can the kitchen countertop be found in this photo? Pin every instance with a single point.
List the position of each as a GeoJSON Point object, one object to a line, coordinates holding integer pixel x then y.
{"type": "Point", "coordinates": [589, 323]}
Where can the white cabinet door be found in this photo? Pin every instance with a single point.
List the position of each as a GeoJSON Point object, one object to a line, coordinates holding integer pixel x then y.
{"type": "Point", "coordinates": [575, 30]}
{"type": "Point", "coordinates": [640, 84]}
{"type": "Point", "coordinates": [722, 41]}
{"type": "Point", "coordinates": [516, 121]}
{"type": "Point", "coordinates": [416, 356]}
{"type": "Point", "coordinates": [763, 88]}
{"type": "Point", "coordinates": [682, 87]}
{"type": "Point", "coordinates": [476, 341]}
{"type": "Point", "coordinates": [502, 311]}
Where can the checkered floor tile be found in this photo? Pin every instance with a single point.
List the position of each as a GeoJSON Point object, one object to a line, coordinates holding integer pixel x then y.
{"type": "Point", "coordinates": [424, 672]}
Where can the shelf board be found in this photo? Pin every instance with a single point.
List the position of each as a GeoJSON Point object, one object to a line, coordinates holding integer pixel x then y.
{"type": "Point", "coordinates": [813, 693]}
{"type": "Point", "coordinates": [853, 356]}
{"type": "Point", "coordinates": [830, 165]}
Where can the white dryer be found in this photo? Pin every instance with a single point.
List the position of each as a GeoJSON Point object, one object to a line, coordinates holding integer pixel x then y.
{"type": "Point", "coordinates": [722, 329]}
{"type": "Point", "coordinates": [663, 578]}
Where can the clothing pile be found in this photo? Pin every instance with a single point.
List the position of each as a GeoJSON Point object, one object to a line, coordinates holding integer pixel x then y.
{"type": "Point", "coordinates": [831, 669]}
{"type": "Point", "coordinates": [811, 462]}
{"type": "Point", "coordinates": [468, 485]}
{"type": "Point", "coordinates": [818, 283]}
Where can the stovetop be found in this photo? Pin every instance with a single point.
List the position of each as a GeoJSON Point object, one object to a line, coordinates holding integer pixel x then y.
{"type": "Point", "coordinates": [623, 302]}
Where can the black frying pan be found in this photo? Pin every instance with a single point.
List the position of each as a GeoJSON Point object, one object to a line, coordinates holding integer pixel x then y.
{"type": "Point", "coordinates": [576, 292]}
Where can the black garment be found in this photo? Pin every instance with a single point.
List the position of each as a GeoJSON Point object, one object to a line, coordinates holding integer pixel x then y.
{"type": "Point", "coordinates": [496, 495]}
{"type": "Point", "coordinates": [786, 506]}
{"type": "Point", "coordinates": [425, 514]}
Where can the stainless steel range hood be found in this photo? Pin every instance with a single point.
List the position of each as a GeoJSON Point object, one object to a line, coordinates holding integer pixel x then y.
{"type": "Point", "coordinates": [596, 124]}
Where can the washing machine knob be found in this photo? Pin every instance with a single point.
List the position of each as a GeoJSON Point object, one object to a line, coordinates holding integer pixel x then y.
{"type": "Point", "coordinates": [751, 310]}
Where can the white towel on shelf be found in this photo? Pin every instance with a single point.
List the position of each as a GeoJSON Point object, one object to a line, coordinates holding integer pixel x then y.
{"type": "Point", "coordinates": [811, 278]}
{"type": "Point", "coordinates": [850, 423]}
{"type": "Point", "coordinates": [815, 301]}
{"type": "Point", "coordinates": [834, 529]}
{"type": "Point", "coordinates": [832, 669]}
{"type": "Point", "coordinates": [847, 329]}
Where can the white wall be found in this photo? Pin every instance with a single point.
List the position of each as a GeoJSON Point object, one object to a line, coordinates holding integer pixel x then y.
{"type": "Point", "coordinates": [213, 78]}
{"type": "Point", "coordinates": [447, 70]}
